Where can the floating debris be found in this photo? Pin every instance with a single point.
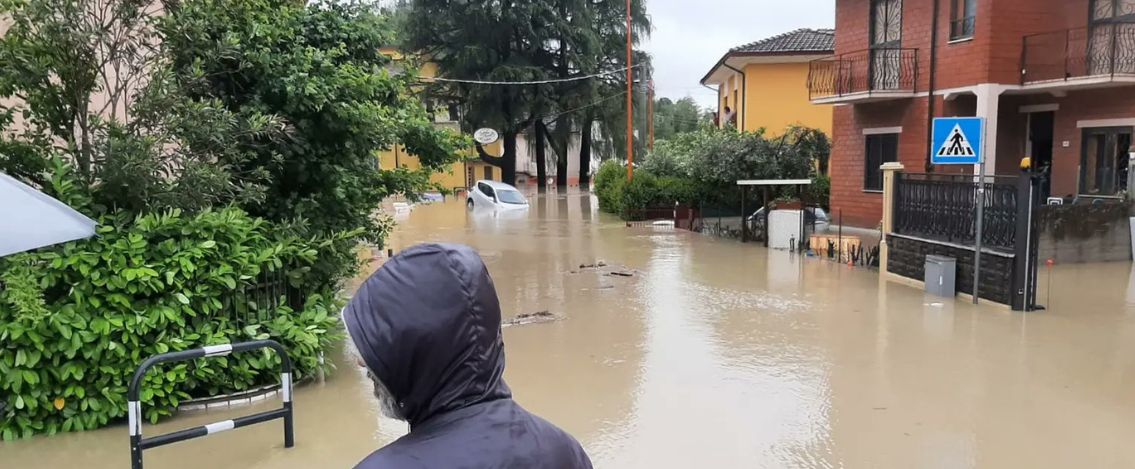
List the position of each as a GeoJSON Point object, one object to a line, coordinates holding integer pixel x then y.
{"type": "Point", "coordinates": [525, 319]}
{"type": "Point", "coordinates": [621, 273]}
{"type": "Point", "coordinates": [595, 265]}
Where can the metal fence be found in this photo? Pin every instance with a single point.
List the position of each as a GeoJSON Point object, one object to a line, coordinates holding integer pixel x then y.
{"type": "Point", "coordinates": [942, 207]}
{"type": "Point", "coordinates": [256, 303]}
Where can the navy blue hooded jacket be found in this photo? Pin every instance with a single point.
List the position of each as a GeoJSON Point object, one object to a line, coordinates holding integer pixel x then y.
{"type": "Point", "coordinates": [428, 326]}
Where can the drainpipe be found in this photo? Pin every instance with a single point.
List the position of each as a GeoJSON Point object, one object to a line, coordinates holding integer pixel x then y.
{"type": "Point", "coordinates": [933, 77]}
{"type": "Point", "coordinates": [741, 109]}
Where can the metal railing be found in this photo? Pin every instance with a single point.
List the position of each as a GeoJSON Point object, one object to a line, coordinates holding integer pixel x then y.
{"type": "Point", "coordinates": [942, 207]}
{"type": "Point", "coordinates": [258, 302]}
{"type": "Point", "coordinates": [134, 404]}
{"type": "Point", "coordinates": [880, 69]}
{"type": "Point", "coordinates": [1103, 50]}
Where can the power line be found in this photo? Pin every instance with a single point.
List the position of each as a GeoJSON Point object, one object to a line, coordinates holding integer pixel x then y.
{"type": "Point", "coordinates": [536, 82]}
{"type": "Point", "coordinates": [591, 104]}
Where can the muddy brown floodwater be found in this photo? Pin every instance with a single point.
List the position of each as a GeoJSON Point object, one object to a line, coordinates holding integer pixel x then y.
{"type": "Point", "coordinates": [716, 354]}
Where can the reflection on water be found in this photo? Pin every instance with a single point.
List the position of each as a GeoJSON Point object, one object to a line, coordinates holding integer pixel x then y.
{"type": "Point", "coordinates": [717, 354]}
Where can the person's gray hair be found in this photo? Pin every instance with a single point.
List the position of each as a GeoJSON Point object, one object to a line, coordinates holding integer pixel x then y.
{"type": "Point", "coordinates": [387, 404]}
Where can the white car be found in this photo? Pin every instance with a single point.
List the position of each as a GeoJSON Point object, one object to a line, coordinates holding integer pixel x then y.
{"type": "Point", "coordinates": [498, 195]}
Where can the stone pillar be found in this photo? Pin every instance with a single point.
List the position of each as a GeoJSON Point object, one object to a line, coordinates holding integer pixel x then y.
{"type": "Point", "coordinates": [889, 171]}
{"type": "Point", "coordinates": [988, 107]}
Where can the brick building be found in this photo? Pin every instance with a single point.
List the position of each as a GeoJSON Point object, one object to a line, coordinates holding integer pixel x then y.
{"type": "Point", "coordinates": [1054, 79]}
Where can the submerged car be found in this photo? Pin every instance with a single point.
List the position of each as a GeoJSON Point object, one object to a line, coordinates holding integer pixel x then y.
{"type": "Point", "coordinates": [814, 218]}
{"type": "Point", "coordinates": [493, 194]}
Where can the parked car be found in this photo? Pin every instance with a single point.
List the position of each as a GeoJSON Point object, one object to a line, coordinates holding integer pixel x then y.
{"type": "Point", "coordinates": [498, 195]}
{"type": "Point", "coordinates": [813, 217]}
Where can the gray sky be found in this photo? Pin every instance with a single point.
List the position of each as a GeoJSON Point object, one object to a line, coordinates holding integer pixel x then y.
{"type": "Point", "coordinates": [691, 35]}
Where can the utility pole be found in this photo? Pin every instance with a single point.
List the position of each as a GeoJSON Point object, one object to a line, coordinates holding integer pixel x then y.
{"type": "Point", "coordinates": [630, 99]}
{"type": "Point", "coordinates": [650, 114]}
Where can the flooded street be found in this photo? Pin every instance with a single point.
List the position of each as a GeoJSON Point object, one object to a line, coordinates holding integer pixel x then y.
{"type": "Point", "coordinates": [718, 354]}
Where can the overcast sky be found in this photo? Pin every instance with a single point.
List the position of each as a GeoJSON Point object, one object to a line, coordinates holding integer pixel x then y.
{"type": "Point", "coordinates": [690, 36]}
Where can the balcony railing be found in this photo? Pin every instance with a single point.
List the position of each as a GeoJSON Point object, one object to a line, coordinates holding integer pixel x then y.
{"type": "Point", "coordinates": [880, 71]}
{"type": "Point", "coordinates": [1101, 51]}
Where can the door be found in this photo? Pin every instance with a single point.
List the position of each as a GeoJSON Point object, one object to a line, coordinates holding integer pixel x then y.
{"type": "Point", "coordinates": [1041, 125]}
{"type": "Point", "coordinates": [1103, 162]}
{"type": "Point", "coordinates": [886, 40]}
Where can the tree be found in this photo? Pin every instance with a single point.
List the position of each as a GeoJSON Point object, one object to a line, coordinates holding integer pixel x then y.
{"type": "Point", "coordinates": [498, 41]}
{"type": "Point", "coordinates": [318, 67]}
{"type": "Point", "coordinates": [87, 84]}
{"type": "Point", "coordinates": [672, 118]}
{"type": "Point", "coordinates": [609, 104]}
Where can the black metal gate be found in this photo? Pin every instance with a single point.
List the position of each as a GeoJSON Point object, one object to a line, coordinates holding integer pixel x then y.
{"type": "Point", "coordinates": [940, 210]}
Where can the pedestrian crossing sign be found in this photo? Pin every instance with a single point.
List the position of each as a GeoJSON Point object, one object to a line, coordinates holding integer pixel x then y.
{"type": "Point", "coordinates": [958, 140]}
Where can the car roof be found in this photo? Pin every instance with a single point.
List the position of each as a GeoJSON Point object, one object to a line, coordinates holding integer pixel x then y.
{"type": "Point", "coordinates": [496, 184]}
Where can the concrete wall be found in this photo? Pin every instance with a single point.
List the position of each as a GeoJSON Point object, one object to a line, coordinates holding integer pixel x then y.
{"type": "Point", "coordinates": [1072, 234]}
{"type": "Point", "coordinates": [908, 259]}
{"type": "Point", "coordinates": [775, 97]}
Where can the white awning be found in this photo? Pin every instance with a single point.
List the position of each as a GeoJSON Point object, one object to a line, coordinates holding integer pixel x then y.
{"type": "Point", "coordinates": [30, 219]}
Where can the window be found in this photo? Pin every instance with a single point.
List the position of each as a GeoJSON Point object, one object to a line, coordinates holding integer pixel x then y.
{"type": "Point", "coordinates": [1111, 42]}
{"type": "Point", "coordinates": [886, 40]}
{"type": "Point", "coordinates": [1103, 163]}
{"type": "Point", "coordinates": [511, 197]}
{"type": "Point", "coordinates": [489, 172]}
{"type": "Point", "coordinates": [962, 19]}
{"type": "Point", "coordinates": [487, 190]}
{"type": "Point", "coordinates": [881, 148]}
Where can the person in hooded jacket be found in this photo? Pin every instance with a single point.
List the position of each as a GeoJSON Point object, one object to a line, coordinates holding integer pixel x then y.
{"type": "Point", "coordinates": [427, 327]}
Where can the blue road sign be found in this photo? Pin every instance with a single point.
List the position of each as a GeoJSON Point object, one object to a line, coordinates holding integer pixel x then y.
{"type": "Point", "coordinates": [958, 140]}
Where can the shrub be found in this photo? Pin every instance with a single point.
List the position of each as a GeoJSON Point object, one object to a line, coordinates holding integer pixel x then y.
{"type": "Point", "coordinates": [639, 194]}
{"type": "Point", "coordinates": [77, 320]}
{"type": "Point", "coordinates": [608, 185]}
{"type": "Point", "coordinates": [820, 192]}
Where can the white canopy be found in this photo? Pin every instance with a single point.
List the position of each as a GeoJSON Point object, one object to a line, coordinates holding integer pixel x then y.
{"type": "Point", "coordinates": [775, 182]}
{"type": "Point", "coordinates": [30, 219]}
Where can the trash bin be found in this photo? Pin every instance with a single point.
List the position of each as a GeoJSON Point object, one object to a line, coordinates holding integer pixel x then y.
{"type": "Point", "coordinates": [940, 272]}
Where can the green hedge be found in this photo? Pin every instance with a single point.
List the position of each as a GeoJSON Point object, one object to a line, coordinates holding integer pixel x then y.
{"type": "Point", "coordinates": [77, 320]}
{"type": "Point", "coordinates": [645, 191]}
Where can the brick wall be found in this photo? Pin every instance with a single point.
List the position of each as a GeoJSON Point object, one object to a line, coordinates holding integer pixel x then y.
{"type": "Point", "coordinates": [993, 55]}
{"type": "Point", "coordinates": [859, 207]}
{"type": "Point", "coordinates": [908, 259]}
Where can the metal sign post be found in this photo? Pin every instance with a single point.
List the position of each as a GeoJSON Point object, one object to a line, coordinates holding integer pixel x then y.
{"type": "Point", "coordinates": [961, 140]}
{"type": "Point", "coordinates": [980, 222]}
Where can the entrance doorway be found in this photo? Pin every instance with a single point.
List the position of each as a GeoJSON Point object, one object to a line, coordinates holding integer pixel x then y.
{"type": "Point", "coordinates": [1103, 164]}
{"type": "Point", "coordinates": [1041, 125]}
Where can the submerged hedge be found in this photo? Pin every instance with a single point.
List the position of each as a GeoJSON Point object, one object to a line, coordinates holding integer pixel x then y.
{"type": "Point", "coordinates": [77, 320]}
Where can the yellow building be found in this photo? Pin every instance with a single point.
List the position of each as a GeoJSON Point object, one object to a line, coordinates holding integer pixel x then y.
{"type": "Point", "coordinates": [461, 174]}
{"type": "Point", "coordinates": [764, 84]}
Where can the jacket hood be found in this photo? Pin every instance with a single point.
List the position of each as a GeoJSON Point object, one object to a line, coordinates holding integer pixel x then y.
{"type": "Point", "coordinates": [428, 325]}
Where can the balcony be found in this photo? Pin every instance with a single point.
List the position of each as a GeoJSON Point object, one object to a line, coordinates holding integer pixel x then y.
{"type": "Point", "coordinates": [1098, 56]}
{"type": "Point", "coordinates": [864, 76]}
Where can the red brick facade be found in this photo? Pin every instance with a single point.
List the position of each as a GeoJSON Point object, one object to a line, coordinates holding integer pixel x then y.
{"type": "Point", "coordinates": [992, 56]}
